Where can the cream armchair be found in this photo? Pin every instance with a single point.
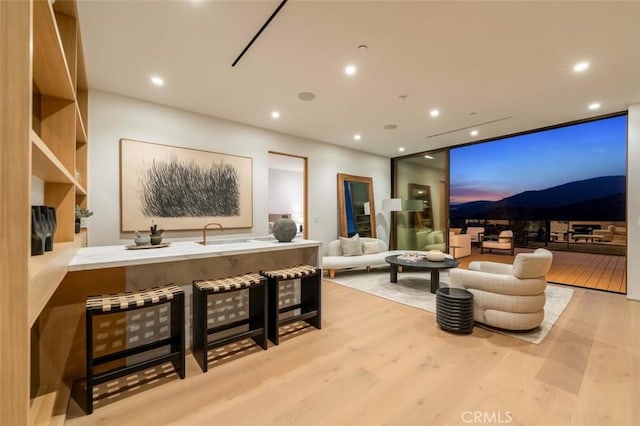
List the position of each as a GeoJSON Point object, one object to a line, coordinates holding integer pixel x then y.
{"type": "Point", "coordinates": [507, 296]}
{"type": "Point", "coordinates": [476, 232]}
{"type": "Point", "coordinates": [505, 242]}
{"type": "Point", "coordinates": [459, 245]}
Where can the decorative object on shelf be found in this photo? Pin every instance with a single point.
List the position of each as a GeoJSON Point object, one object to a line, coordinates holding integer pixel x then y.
{"type": "Point", "coordinates": [48, 222]}
{"type": "Point", "coordinates": [141, 240]}
{"type": "Point", "coordinates": [81, 214]}
{"type": "Point", "coordinates": [54, 222]}
{"type": "Point", "coordinates": [156, 235]}
{"type": "Point", "coordinates": [40, 232]}
{"type": "Point", "coordinates": [285, 229]}
{"type": "Point", "coordinates": [184, 188]}
{"type": "Point", "coordinates": [435, 256]}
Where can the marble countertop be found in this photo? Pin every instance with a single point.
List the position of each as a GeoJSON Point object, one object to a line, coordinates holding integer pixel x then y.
{"type": "Point", "coordinates": [114, 256]}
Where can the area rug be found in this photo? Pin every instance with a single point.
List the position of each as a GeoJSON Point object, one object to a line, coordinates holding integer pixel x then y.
{"type": "Point", "coordinates": [412, 289]}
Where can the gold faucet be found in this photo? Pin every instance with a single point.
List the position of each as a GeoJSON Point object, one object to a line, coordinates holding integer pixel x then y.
{"type": "Point", "coordinates": [204, 232]}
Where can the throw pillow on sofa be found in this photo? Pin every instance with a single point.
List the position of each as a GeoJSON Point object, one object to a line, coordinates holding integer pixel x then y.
{"type": "Point", "coordinates": [371, 247]}
{"type": "Point", "coordinates": [351, 246]}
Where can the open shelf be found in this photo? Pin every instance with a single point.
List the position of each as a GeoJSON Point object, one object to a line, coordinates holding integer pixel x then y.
{"type": "Point", "coordinates": [47, 271]}
{"type": "Point", "coordinates": [45, 165]}
{"type": "Point", "coordinates": [50, 70]}
{"type": "Point", "coordinates": [81, 134]}
{"type": "Point", "coordinates": [79, 188]}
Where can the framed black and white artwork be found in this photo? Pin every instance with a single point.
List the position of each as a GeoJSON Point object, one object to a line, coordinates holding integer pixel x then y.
{"type": "Point", "coordinates": [181, 188]}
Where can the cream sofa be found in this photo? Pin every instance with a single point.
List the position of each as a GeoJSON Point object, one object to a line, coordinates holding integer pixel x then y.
{"type": "Point", "coordinates": [507, 296]}
{"type": "Point", "coordinates": [335, 260]}
{"type": "Point", "coordinates": [428, 239]}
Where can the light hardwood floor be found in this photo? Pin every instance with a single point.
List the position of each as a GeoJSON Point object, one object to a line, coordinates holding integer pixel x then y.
{"type": "Point", "coordinates": [377, 362]}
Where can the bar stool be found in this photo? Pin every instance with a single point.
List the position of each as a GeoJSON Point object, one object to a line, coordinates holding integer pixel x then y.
{"type": "Point", "coordinates": [124, 303]}
{"type": "Point", "coordinates": [310, 298]}
{"type": "Point", "coordinates": [257, 320]}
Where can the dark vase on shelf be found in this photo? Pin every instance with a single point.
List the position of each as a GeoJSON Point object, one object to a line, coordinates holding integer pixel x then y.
{"type": "Point", "coordinates": [77, 228]}
{"type": "Point", "coordinates": [39, 232]}
{"type": "Point", "coordinates": [48, 218]}
{"type": "Point", "coordinates": [285, 229]}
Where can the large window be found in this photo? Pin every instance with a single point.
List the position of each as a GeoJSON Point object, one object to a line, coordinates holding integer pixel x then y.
{"type": "Point", "coordinates": [563, 188]}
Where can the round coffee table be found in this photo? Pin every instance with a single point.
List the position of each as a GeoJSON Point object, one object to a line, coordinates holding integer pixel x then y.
{"type": "Point", "coordinates": [422, 264]}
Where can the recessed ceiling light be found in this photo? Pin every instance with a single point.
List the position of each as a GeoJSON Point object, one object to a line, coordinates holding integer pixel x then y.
{"type": "Point", "coordinates": [473, 133]}
{"type": "Point", "coordinates": [401, 149]}
{"type": "Point", "coordinates": [350, 69]}
{"type": "Point", "coordinates": [275, 114]}
{"type": "Point", "coordinates": [306, 96]}
{"type": "Point", "coordinates": [434, 113]}
{"type": "Point", "coordinates": [428, 157]}
{"type": "Point", "coordinates": [356, 136]}
{"type": "Point", "coordinates": [390, 126]}
{"type": "Point", "coordinates": [594, 106]}
{"type": "Point", "coordinates": [581, 66]}
{"type": "Point", "coordinates": [158, 81]}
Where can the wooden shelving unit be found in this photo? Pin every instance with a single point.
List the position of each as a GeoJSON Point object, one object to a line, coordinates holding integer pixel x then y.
{"type": "Point", "coordinates": [44, 112]}
{"type": "Point", "coordinates": [59, 145]}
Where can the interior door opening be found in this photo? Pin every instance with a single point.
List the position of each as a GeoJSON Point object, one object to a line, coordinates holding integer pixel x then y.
{"type": "Point", "coordinates": [288, 190]}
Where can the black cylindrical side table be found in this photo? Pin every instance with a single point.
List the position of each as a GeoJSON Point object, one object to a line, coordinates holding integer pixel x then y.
{"type": "Point", "coordinates": [454, 310]}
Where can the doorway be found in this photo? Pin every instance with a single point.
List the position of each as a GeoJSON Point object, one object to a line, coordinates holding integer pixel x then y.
{"type": "Point", "coordinates": [288, 190]}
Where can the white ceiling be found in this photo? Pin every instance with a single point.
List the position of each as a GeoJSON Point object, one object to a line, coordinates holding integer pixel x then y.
{"type": "Point", "coordinates": [475, 61]}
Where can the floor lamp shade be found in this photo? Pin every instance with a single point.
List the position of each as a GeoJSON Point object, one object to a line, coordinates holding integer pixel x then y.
{"type": "Point", "coordinates": [392, 205]}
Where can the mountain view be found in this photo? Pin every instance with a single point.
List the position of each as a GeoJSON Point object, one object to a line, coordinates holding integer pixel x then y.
{"type": "Point", "coordinates": [601, 198]}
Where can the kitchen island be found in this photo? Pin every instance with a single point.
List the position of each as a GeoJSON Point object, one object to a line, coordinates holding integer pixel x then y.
{"type": "Point", "coordinates": [59, 331]}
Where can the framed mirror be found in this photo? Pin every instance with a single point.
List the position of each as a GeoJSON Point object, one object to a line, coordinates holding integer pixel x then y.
{"type": "Point", "coordinates": [355, 206]}
{"type": "Point", "coordinates": [422, 217]}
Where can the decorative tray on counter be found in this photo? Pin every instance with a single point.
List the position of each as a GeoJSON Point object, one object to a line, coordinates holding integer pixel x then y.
{"type": "Point", "coordinates": [147, 246]}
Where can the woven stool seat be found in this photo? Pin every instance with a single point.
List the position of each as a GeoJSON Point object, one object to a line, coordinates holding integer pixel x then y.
{"type": "Point", "coordinates": [256, 286]}
{"type": "Point", "coordinates": [120, 303]}
{"type": "Point", "coordinates": [224, 285]}
{"type": "Point", "coordinates": [308, 310]}
{"type": "Point", "coordinates": [299, 271]}
{"type": "Point", "coordinates": [131, 300]}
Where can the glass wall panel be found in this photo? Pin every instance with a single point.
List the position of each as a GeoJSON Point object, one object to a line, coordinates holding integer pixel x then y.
{"type": "Point", "coordinates": [421, 183]}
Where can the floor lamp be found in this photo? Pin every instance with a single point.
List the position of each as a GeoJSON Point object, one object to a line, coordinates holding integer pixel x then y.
{"type": "Point", "coordinates": [392, 205]}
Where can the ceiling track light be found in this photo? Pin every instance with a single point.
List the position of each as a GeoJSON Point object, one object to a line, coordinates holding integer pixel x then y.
{"type": "Point", "coordinates": [255, 37]}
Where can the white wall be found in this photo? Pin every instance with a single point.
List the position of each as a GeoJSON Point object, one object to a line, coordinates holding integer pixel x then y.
{"type": "Point", "coordinates": [633, 203]}
{"type": "Point", "coordinates": [112, 117]}
{"type": "Point", "coordinates": [286, 192]}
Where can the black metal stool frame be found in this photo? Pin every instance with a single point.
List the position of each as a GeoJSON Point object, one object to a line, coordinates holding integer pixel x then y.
{"type": "Point", "coordinates": [176, 341]}
{"type": "Point", "coordinates": [257, 321]}
{"type": "Point", "coordinates": [310, 303]}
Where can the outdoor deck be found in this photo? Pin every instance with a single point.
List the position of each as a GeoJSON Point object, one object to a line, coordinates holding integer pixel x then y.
{"type": "Point", "coordinates": [590, 270]}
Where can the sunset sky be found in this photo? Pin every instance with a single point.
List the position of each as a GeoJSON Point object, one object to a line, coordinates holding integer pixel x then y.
{"type": "Point", "coordinates": [495, 170]}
